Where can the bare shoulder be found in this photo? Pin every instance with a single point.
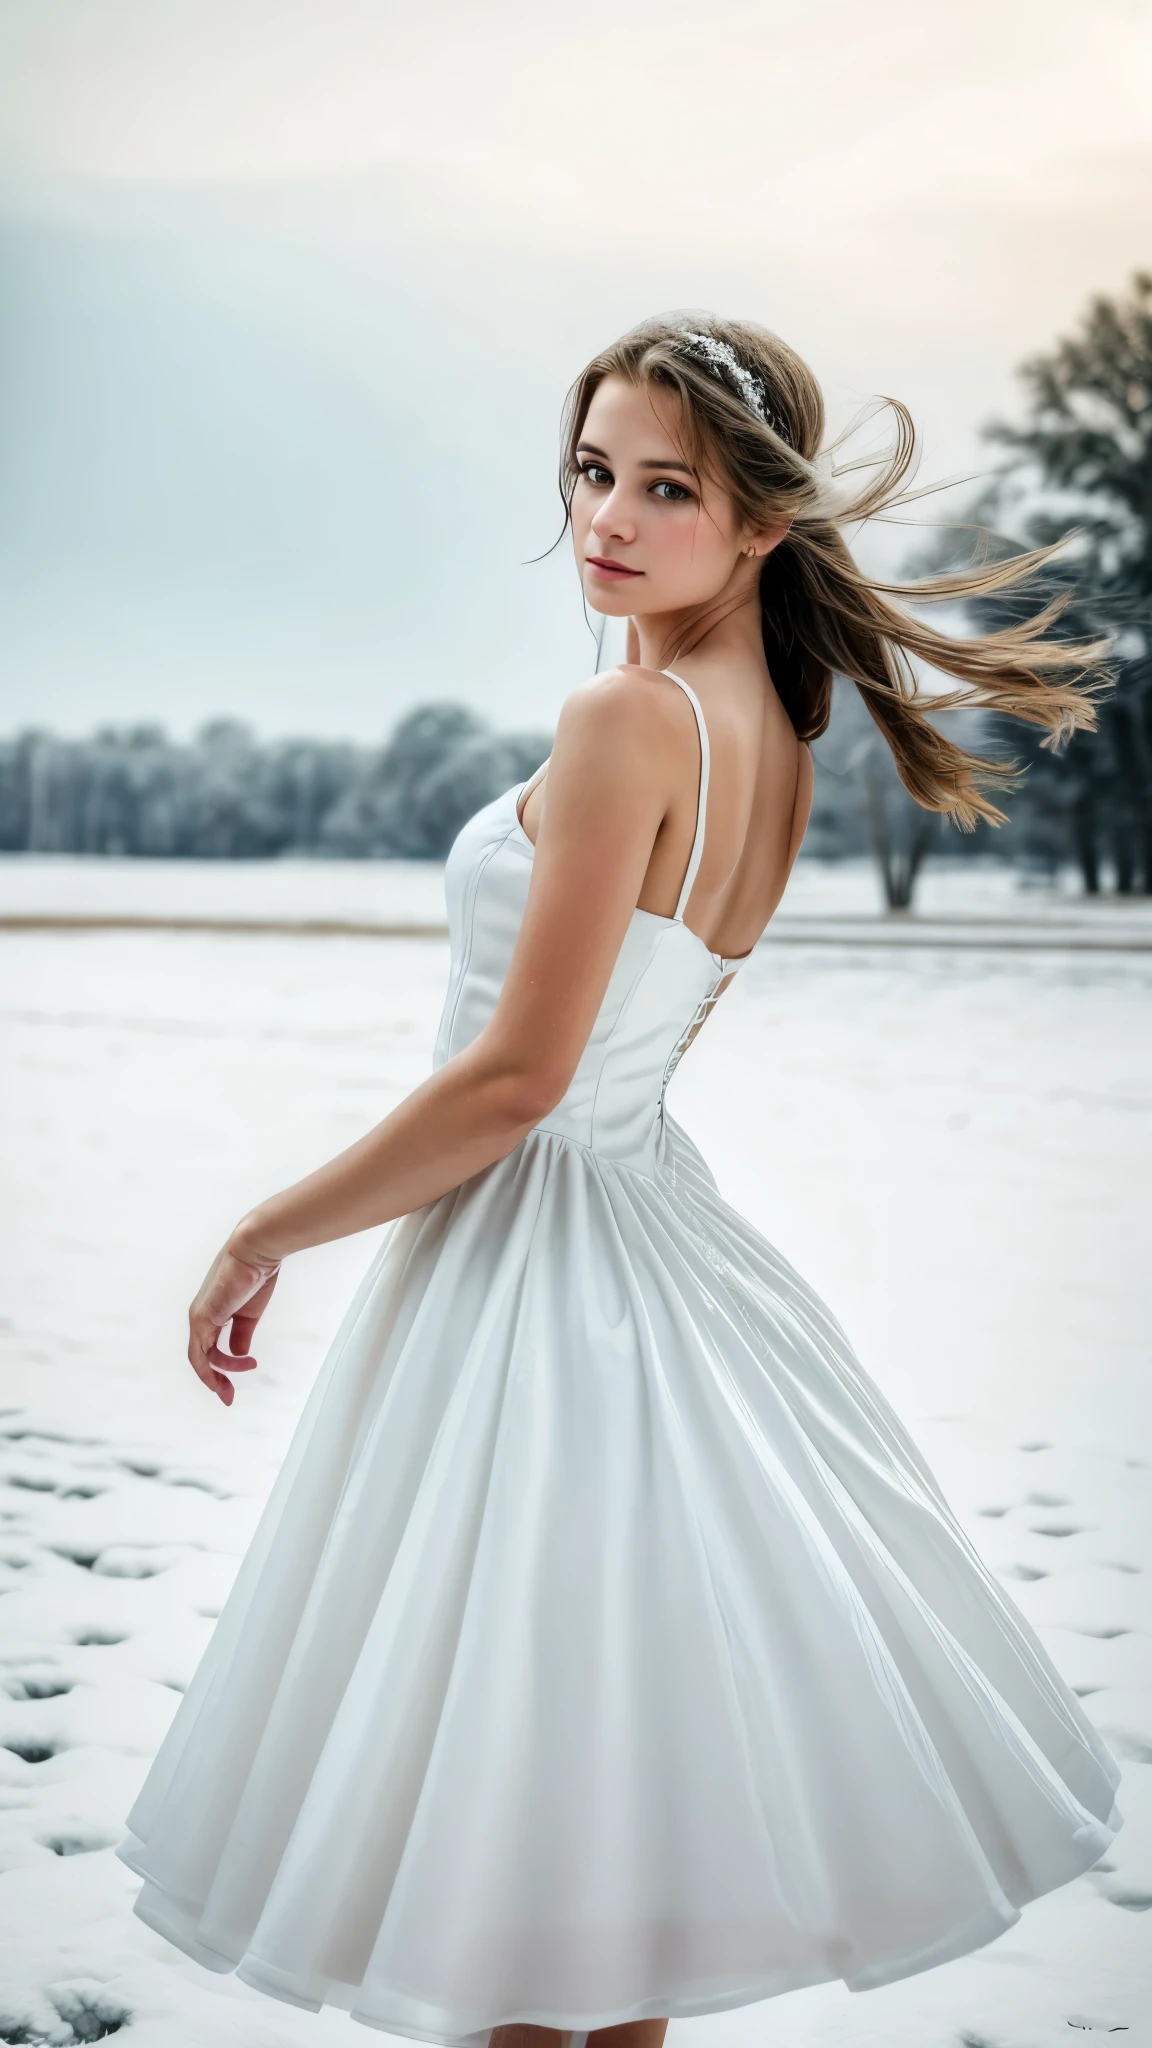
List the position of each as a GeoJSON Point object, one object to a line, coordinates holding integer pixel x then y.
{"type": "Point", "coordinates": [627, 707]}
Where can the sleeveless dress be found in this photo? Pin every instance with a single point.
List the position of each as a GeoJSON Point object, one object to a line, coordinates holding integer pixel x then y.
{"type": "Point", "coordinates": [605, 1647]}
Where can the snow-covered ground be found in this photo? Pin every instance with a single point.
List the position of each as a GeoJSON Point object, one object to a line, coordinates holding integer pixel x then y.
{"type": "Point", "coordinates": [373, 891]}
{"type": "Point", "coordinates": [953, 1145]}
{"type": "Point", "coordinates": [405, 894]}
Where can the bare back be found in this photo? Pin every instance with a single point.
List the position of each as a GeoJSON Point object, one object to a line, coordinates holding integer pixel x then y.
{"type": "Point", "coordinates": [758, 803]}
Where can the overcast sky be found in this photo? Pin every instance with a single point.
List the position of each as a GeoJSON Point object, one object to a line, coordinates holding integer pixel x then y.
{"type": "Point", "coordinates": [292, 295]}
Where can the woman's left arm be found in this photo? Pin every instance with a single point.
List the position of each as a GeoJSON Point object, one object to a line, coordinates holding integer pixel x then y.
{"type": "Point", "coordinates": [608, 780]}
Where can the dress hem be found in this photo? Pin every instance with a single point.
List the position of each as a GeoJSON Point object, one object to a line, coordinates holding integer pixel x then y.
{"type": "Point", "coordinates": [172, 1918]}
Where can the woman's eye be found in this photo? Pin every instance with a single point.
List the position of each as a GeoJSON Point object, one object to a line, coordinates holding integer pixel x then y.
{"type": "Point", "coordinates": [600, 478]}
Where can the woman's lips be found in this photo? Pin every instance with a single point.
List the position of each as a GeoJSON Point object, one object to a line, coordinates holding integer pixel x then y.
{"type": "Point", "coordinates": [611, 570]}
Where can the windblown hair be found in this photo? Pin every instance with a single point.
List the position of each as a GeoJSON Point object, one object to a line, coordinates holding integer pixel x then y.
{"type": "Point", "coordinates": [822, 615]}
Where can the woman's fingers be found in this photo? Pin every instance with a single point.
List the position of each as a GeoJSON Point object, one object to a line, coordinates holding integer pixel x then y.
{"type": "Point", "coordinates": [207, 1361]}
{"type": "Point", "coordinates": [202, 1350]}
{"type": "Point", "coordinates": [233, 1292]}
{"type": "Point", "coordinates": [228, 1361]}
{"type": "Point", "coordinates": [245, 1319]}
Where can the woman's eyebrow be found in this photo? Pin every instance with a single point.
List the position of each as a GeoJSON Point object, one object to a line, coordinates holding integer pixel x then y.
{"type": "Point", "coordinates": [650, 463]}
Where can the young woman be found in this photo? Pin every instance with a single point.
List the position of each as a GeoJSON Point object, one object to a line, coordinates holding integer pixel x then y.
{"type": "Point", "coordinates": [605, 1651]}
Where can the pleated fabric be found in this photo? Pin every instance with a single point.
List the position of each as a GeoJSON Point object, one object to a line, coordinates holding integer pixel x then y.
{"type": "Point", "coordinates": [605, 1647]}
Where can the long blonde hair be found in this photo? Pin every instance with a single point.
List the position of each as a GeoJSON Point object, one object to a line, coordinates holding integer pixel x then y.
{"type": "Point", "coordinates": [821, 614]}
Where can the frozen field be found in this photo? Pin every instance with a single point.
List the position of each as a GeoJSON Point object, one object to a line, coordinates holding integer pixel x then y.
{"type": "Point", "coordinates": [398, 896]}
{"type": "Point", "coordinates": [953, 1145]}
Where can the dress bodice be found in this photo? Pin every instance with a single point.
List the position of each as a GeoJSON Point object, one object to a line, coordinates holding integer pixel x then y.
{"type": "Point", "coordinates": [663, 984]}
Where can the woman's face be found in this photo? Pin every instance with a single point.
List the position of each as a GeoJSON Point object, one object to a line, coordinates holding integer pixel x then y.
{"type": "Point", "coordinates": [650, 534]}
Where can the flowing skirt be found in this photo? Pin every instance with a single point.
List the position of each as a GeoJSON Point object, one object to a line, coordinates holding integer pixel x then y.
{"type": "Point", "coordinates": [605, 1648]}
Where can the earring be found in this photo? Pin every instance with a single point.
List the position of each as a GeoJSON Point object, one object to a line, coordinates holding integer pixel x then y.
{"type": "Point", "coordinates": [751, 550]}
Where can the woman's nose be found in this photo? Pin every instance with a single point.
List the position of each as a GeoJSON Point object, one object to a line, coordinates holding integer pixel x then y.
{"type": "Point", "coordinates": [612, 519]}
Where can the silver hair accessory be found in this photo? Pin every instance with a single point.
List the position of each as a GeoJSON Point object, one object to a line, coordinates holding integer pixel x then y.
{"type": "Point", "coordinates": [723, 361]}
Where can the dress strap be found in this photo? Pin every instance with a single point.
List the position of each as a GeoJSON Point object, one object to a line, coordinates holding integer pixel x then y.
{"type": "Point", "coordinates": [702, 799]}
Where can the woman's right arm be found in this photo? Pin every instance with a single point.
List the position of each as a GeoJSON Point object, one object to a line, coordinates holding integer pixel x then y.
{"type": "Point", "coordinates": [610, 777]}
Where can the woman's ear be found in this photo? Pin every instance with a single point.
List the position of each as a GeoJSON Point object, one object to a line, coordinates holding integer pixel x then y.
{"type": "Point", "coordinates": [765, 538]}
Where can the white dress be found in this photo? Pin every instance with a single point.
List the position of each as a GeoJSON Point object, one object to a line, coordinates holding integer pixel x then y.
{"type": "Point", "coordinates": [605, 1647]}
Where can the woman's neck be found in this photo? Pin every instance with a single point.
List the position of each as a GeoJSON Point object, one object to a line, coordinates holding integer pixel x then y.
{"type": "Point", "coordinates": [728, 627]}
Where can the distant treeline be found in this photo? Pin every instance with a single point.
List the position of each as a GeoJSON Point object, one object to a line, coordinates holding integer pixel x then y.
{"type": "Point", "coordinates": [230, 795]}
{"type": "Point", "coordinates": [227, 795]}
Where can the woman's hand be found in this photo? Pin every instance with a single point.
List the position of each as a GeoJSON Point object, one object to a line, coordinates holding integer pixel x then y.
{"type": "Point", "coordinates": [238, 1291]}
